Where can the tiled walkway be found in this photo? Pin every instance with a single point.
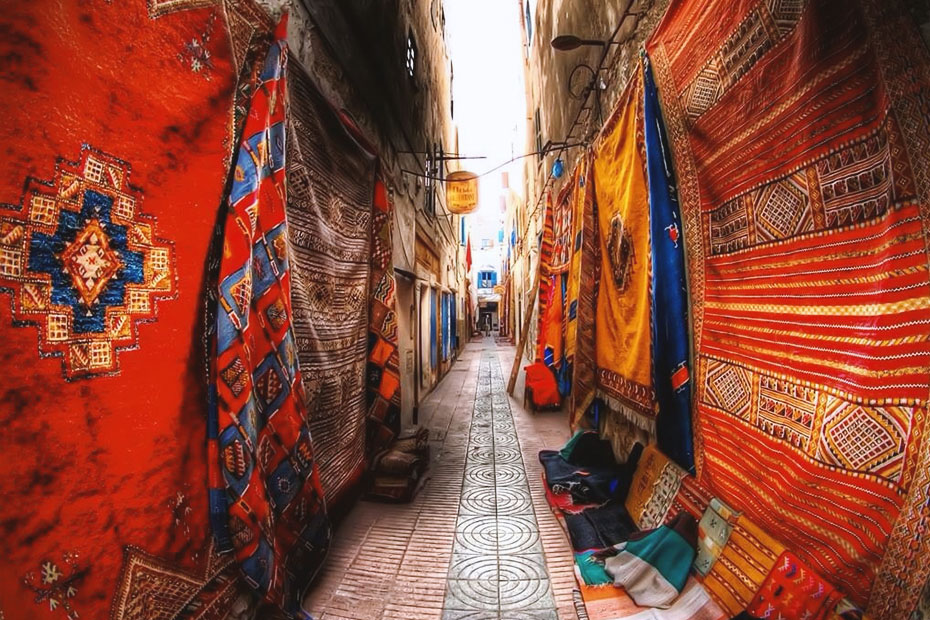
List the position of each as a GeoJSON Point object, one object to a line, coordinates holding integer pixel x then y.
{"type": "Point", "coordinates": [418, 561]}
{"type": "Point", "coordinates": [497, 567]}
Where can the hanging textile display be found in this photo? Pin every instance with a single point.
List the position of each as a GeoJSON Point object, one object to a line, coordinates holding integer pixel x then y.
{"type": "Point", "coordinates": [554, 259]}
{"type": "Point", "coordinates": [583, 274]}
{"type": "Point", "coordinates": [801, 142]}
{"type": "Point", "coordinates": [272, 512]}
{"type": "Point", "coordinates": [114, 168]}
{"type": "Point", "coordinates": [383, 378]}
{"type": "Point", "coordinates": [544, 264]}
{"type": "Point", "coordinates": [331, 188]}
{"type": "Point", "coordinates": [550, 335]}
{"type": "Point", "coordinates": [623, 348]}
{"type": "Point", "coordinates": [670, 339]}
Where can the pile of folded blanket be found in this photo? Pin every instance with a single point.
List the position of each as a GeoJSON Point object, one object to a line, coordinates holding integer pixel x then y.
{"type": "Point", "coordinates": [651, 544]}
{"type": "Point", "coordinates": [396, 473]}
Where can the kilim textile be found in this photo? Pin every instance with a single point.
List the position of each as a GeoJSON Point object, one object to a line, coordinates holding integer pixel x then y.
{"type": "Point", "coordinates": [612, 603]}
{"type": "Point", "coordinates": [331, 188]}
{"type": "Point", "coordinates": [713, 531]}
{"type": "Point", "coordinates": [741, 566]}
{"type": "Point", "coordinates": [623, 332]}
{"type": "Point", "coordinates": [692, 497]}
{"type": "Point", "coordinates": [792, 590]}
{"type": "Point", "coordinates": [801, 140]}
{"type": "Point", "coordinates": [383, 377]}
{"type": "Point", "coordinates": [550, 334]}
{"type": "Point", "coordinates": [670, 340]}
{"type": "Point", "coordinates": [576, 184]}
{"type": "Point", "coordinates": [562, 238]}
{"type": "Point", "coordinates": [581, 304]}
{"type": "Point", "coordinates": [544, 264]}
{"type": "Point", "coordinates": [119, 125]}
{"type": "Point", "coordinates": [272, 512]}
{"type": "Point", "coordinates": [653, 490]}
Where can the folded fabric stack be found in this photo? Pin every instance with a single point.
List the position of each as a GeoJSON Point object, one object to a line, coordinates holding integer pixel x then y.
{"type": "Point", "coordinates": [651, 543]}
{"type": "Point", "coordinates": [396, 473]}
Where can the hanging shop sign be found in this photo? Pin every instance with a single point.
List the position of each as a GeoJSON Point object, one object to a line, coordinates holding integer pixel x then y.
{"type": "Point", "coordinates": [462, 192]}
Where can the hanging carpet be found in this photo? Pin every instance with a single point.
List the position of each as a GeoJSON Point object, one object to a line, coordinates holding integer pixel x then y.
{"type": "Point", "coordinates": [670, 339]}
{"type": "Point", "coordinates": [331, 185]}
{"type": "Point", "coordinates": [801, 141]}
{"type": "Point", "coordinates": [580, 302]}
{"type": "Point", "coordinates": [269, 505]}
{"type": "Point", "coordinates": [120, 122]}
{"type": "Point", "coordinates": [623, 332]}
{"type": "Point", "coordinates": [383, 376]}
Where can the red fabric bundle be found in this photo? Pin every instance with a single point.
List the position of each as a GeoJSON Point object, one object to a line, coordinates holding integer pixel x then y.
{"type": "Point", "coordinates": [544, 390]}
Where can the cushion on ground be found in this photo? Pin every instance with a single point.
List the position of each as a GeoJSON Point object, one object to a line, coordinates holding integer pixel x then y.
{"type": "Point", "coordinates": [653, 566]}
{"type": "Point", "coordinates": [742, 565]}
{"type": "Point", "coordinates": [587, 484]}
{"type": "Point", "coordinates": [653, 488]}
{"type": "Point", "coordinates": [713, 531]}
{"type": "Point", "coordinates": [610, 603]}
{"type": "Point", "coordinates": [599, 528]}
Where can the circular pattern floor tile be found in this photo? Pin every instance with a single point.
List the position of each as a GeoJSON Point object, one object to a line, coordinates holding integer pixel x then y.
{"type": "Point", "coordinates": [480, 475]}
{"type": "Point", "coordinates": [521, 567]}
{"type": "Point", "coordinates": [480, 499]}
{"type": "Point", "coordinates": [476, 534]}
{"type": "Point", "coordinates": [509, 474]}
{"type": "Point", "coordinates": [524, 594]}
{"type": "Point", "coordinates": [473, 567]}
{"type": "Point", "coordinates": [513, 501]}
{"type": "Point", "coordinates": [505, 455]}
{"type": "Point", "coordinates": [477, 594]}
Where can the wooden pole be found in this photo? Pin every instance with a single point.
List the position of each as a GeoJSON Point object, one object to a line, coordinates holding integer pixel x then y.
{"type": "Point", "coordinates": [521, 346]}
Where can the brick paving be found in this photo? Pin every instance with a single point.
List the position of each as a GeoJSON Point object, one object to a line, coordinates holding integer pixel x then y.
{"type": "Point", "coordinates": [395, 561]}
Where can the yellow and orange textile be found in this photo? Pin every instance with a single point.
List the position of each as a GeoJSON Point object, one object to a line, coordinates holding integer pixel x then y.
{"type": "Point", "coordinates": [801, 142]}
{"type": "Point", "coordinates": [744, 563]}
{"type": "Point", "coordinates": [623, 330]}
{"type": "Point", "coordinates": [581, 298]}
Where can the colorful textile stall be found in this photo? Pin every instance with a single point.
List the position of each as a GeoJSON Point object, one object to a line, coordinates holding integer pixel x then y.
{"type": "Point", "coordinates": [331, 185]}
{"type": "Point", "coordinates": [623, 331]}
{"type": "Point", "coordinates": [266, 501]}
{"type": "Point", "coordinates": [119, 124]}
{"type": "Point", "coordinates": [670, 338]}
{"type": "Point", "coordinates": [801, 143]}
{"type": "Point", "coordinates": [383, 378]}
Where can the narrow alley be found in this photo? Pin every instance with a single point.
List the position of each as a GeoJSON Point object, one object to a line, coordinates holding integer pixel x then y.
{"type": "Point", "coordinates": [480, 541]}
{"type": "Point", "coordinates": [465, 310]}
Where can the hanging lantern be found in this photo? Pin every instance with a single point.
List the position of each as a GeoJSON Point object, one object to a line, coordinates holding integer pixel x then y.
{"type": "Point", "coordinates": [558, 167]}
{"type": "Point", "coordinates": [462, 192]}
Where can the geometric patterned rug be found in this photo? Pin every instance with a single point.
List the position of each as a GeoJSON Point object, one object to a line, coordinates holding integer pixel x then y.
{"type": "Point", "coordinates": [801, 141]}
{"type": "Point", "coordinates": [330, 188]}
